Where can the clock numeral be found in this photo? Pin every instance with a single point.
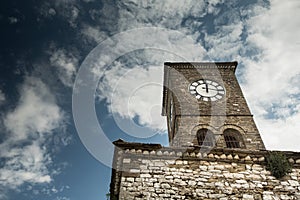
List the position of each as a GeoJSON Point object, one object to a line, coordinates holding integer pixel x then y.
{"type": "Point", "coordinates": [193, 92]}
{"type": "Point", "coordinates": [214, 83]}
{"type": "Point", "coordinates": [218, 96]}
{"type": "Point", "coordinates": [198, 96]}
{"type": "Point", "coordinates": [221, 92]}
{"type": "Point", "coordinates": [205, 98]}
{"type": "Point", "coordinates": [192, 87]}
{"type": "Point", "coordinates": [213, 99]}
{"type": "Point", "coordinates": [195, 84]}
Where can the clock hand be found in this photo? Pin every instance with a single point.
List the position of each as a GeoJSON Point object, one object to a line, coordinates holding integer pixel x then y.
{"type": "Point", "coordinates": [210, 89]}
{"type": "Point", "coordinates": [206, 87]}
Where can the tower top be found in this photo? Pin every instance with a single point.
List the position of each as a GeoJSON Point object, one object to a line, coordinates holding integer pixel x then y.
{"type": "Point", "coordinates": [205, 106]}
{"type": "Point", "coordinates": [218, 65]}
{"type": "Point", "coordinates": [190, 65]}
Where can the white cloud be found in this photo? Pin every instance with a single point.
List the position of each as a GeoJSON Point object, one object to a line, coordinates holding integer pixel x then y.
{"type": "Point", "coordinates": [2, 97]}
{"type": "Point", "coordinates": [93, 33]}
{"type": "Point", "coordinates": [73, 15]}
{"type": "Point", "coordinates": [226, 42]}
{"type": "Point", "coordinates": [272, 78]}
{"type": "Point", "coordinates": [36, 111]}
{"type": "Point", "coordinates": [281, 133]}
{"type": "Point", "coordinates": [133, 84]}
{"type": "Point", "coordinates": [168, 14]}
{"type": "Point", "coordinates": [66, 65]}
{"type": "Point", "coordinates": [69, 10]}
{"type": "Point", "coordinates": [140, 102]}
{"type": "Point", "coordinates": [29, 126]}
{"type": "Point", "coordinates": [130, 93]}
{"type": "Point", "coordinates": [264, 39]}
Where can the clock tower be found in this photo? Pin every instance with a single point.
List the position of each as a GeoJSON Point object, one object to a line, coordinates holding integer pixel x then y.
{"type": "Point", "coordinates": [205, 107]}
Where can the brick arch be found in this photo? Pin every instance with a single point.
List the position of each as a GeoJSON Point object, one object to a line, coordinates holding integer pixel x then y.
{"type": "Point", "coordinates": [233, 136]}
{"type": "Point", "coordinates": [211, 129]}
{"type": "Point", "coordinates": [232, 126]}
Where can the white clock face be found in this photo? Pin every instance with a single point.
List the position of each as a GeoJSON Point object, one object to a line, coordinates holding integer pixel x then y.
{"type": "Point", "coordinates": [207, 90]}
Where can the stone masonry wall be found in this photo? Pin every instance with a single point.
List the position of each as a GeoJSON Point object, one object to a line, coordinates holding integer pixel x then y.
{"type": "Point", "coordinates": [177, 174]}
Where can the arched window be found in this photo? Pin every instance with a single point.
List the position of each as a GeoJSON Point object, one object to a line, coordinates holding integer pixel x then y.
{"type": "Point", "coordinates": [233, 138]}
{"type": "Point", "coordinates": [205, 138]}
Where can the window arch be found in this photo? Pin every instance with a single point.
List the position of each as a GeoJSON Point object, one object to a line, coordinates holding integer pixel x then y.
{"type": "Point", "coordinates": [233, 138]}
{"type": "Point", "coordinates": [205, 137]}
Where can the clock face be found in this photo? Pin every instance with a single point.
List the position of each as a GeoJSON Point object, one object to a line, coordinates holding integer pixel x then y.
{"type": "Point", "coordinates": [207, 90]}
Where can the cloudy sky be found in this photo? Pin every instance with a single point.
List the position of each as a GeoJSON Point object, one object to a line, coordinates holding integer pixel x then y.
{"type": "Point", "coordinates": [107, 57]}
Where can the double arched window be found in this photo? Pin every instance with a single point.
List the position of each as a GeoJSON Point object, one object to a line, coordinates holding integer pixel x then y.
{"type": "Point", "coordinates": [233, 138]}
{"type": "Point", "coordinates": [205, 137]}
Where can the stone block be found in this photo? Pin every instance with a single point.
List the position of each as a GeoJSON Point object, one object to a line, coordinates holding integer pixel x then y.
{"type": "Point", "coordinates": [248, 197]}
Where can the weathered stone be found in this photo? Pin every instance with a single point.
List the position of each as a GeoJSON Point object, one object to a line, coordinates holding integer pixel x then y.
{"type": "Point", "coordinates": [134, 171]}
{"type": "Point", "coordinates": [241, 181]}
{"type": "Point", "coordinates": [178, 162]}
{"type": "Point", "coordinates": [254, 177]}
{"type": "Point", "coordinates": [293, 183]}
{"type": "Point", "coordinates": [247, 158]}
{"type": "Point", "coordinates": [145, 175]}
{"type": "Point", "coordinates": [261, 159]}
{"type": "Point", "coordinates": [152, 152]}
{"type": "Point", "coordinates": [216, 196]}
{"type": "Point", "coordinates": [219, 167]}
{"type": "Point", "coordinates": [182, 183]}
{"type": "Point", "coordinates": [219, 184]}
{"type": "Point", "coordinates": [223, 156]}
{"type": "Point", "coordinates": [145, 152]}
{"type": "Point", "coordinates": [165, 185]}
{"type": "Point", "coordinates": [248, 197]}
{"type": "Point", "coordinates": [228, 175]}
{"type": "Point", "coordinates": [203, 168]}
{"type": "Point", "coordinates": [129, 179]}
{"type": "Point", "coordinates": [126, 160]}
{"type": "Point", "coordinates": [159, 164]}
{"type": "Point", "coordinates": [210, 155]}
{"type": "Point", "coordinates": [192, 183]}
{"type": "Point", "coordinates": [238, 176]}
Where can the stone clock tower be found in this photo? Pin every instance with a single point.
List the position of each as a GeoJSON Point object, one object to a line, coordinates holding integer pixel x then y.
{"type": "Point", "coordinates": [215, 150]}
{"type": "Point", "coordinates": [205, 107]}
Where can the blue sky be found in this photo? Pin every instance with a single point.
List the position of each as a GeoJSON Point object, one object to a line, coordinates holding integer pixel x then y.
{"type": "Point", "coordinates": [45, 141]}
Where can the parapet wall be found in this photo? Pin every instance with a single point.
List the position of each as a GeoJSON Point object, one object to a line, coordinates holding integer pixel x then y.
{"type": "Point", "coordinates": [150, 172]}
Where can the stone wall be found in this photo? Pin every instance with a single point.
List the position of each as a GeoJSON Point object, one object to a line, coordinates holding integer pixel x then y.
{"type": "Point", "coordinates": [177, 173]}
